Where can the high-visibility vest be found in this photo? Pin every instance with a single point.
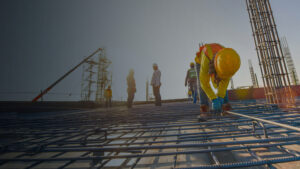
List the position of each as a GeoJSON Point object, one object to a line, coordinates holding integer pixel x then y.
{"type": "Point", "coordinates": [108, 93]}
{"type": "Point", "coordinates": [192, 73]}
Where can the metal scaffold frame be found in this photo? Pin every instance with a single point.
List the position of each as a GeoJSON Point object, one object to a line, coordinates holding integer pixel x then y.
{"type": "Point", "coordinates": [88, 79]}
{"type": "Point", "coordinates": [104, 76]}
{"type": "Point", "coordinates": [271, 59]}
{"type": "Point", "coordinates": [100, 138]}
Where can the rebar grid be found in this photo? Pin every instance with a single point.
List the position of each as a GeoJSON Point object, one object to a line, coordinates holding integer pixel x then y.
{"type": "Point", "coordinates": [146, 137]}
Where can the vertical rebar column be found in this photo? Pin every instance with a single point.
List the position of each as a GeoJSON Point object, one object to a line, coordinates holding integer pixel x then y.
{"type": "Point", "coordinates": [289, 61]}
{"type": "Point", "coordinates": [253, 77]}
{"type": "Point", "coordinates": [271, 59]}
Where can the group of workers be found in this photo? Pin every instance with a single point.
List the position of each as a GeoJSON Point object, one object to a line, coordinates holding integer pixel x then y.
{"type": "Point", "coordinates": [215, 64]}
{"type": "Point", "coordinates": [131, 88]}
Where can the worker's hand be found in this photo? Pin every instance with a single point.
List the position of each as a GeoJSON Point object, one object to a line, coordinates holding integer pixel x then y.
{"type": "Point", "coordinates": [216, 105]}
{"type": "Point", "coordinates": [221, 100]}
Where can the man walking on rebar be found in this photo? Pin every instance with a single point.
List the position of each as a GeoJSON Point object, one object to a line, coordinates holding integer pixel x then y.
{"type": "Point", "coordinates": [108, 96]}
{"type": "Point", "coordinates": [155, 82]}
{"type": "Point", "coordinates": [191, 80]}
{"type": "Point", "coordinates": [217, 65]}
{"type": "Point", "coordinates": [131, 89]}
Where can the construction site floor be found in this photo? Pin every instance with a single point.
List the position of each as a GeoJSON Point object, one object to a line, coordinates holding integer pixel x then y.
{"type": "Point", "coordinates": [153, 137]}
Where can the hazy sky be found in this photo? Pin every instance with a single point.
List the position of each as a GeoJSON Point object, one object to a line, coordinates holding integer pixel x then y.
{"type": "Point", "coordinates": [41, 40]}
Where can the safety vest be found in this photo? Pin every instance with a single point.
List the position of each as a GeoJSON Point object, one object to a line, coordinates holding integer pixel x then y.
{"type": "Point", "coordinates": [108, 93]}
{"type": "Point", "coordinates": [192, 73]}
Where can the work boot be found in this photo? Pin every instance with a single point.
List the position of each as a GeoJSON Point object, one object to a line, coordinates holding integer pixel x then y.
{"type": "Point", "coordinates": [204, 108]}
{"type": "Point", "coordinates": [204, 116]}
{"type": "Point", "coordinates": [226, 107]}
{"type": "Point", "coordinates": [224, 113]}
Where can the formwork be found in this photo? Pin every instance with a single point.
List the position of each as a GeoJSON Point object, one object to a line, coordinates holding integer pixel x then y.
{"type": "Point", "coordinates": [252, 135]}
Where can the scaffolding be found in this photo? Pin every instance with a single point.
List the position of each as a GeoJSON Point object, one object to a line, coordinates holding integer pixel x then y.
{"type": "Point", "coordinates": [289, 61]}
{"type": "Point", "coordinates": [88, 80]}
{"type": "Point", "coordinates": [253, 75]}
{"type": "Point", "coordinates": [271, 59]}
{"type": "Point", "coordinates": [104, 76]}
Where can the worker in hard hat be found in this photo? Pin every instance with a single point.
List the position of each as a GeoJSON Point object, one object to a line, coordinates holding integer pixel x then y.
{"type": "Point", "coordinates": [191, 80]}
{"type": "Point", "coordinates": [131, 88]}
{"type": "Point", "coordinates": [155, 83]}
{"type": "Point", "coordinates": [108, 96]}
{"type": "Point", "coordinates": [217, 65]}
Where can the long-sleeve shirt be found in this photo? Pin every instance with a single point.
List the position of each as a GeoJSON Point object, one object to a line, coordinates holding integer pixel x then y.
{"type": "Point", "coordinates": [155, 82]}
{"type": "Point", "coordinates": [205, 78]}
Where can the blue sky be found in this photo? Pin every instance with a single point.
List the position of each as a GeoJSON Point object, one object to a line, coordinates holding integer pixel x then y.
{"type": "Point", "coordinates": [41, 40]}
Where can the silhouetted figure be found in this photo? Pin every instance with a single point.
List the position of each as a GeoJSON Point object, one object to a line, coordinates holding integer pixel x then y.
{"type": "Point", "coordinates": [108, 96]}
{"type": "Point", "coordinates": [131, 88]}
{"type": "Point", "coordinates": [155, 82]}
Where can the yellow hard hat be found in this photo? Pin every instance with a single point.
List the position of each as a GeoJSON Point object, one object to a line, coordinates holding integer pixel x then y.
{"type": "Point", "coordinates": [192, 64]}
{"type": "Point", "coordinates": [227, 62]}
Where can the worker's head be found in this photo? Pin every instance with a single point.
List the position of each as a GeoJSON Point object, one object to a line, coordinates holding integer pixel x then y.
{"type": "Point", "coordinates": [155, 67]}
{"type": "Point", "coordinates": [192, 64]}
{"type": "Point", "coordinates": [131, 72]}
{"type": "Point", "coordinates": [227, 62]}
{"type": "Point", "coordinates": [109, 87]}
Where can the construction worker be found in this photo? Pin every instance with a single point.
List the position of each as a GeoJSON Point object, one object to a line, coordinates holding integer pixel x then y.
{"type": "Point", "coordinates": [191, 79]}
{"type": "Point", "coordinates": [217, 65]}
{"type": "Point", "coordinates": [108, 96]}
{"type": "Point", "coordinates": [131, 89]}
{"type": "Point", "coordinates": [155, 83]}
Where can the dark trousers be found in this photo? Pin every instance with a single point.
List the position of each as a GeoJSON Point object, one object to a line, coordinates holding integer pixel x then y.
{"type": "Point", "coordinates": [193, 88]}
{"type": "Point", "coordinates": [156, 94]}
{"type": "Point", "coordinates": [108, 102]}
{"type": "Point", "coordinates": [204, 99]}
{"type": "Point", "coordinates": [130, 99]}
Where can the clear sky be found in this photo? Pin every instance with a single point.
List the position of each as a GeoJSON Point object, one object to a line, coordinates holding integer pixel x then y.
{"type": "Point", "coordinates": [41, 40]}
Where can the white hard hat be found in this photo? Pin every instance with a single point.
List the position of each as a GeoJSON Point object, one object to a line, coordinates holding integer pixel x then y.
{"type": "Point", "coordinates": [155, 64]}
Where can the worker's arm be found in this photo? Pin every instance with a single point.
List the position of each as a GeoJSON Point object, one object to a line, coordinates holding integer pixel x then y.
{"type": "Point", "coordinates": [223, 87]}
{"type": "Point", "coordinates": [186, 78]}
{"type": "Point", "coordinates": [205, 77]}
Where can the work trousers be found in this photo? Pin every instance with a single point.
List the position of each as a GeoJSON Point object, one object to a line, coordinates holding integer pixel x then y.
{"type": "Point", "coordinates": [193, 88]}
{"type": "Point", "coordinates": [130, 99]}
{"type": "Point", "coordinates": [156, 94]}
{"type": "Point", "coordinates": [204, 98]}
{"type": "Point", "coordinates": [108, 102]}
